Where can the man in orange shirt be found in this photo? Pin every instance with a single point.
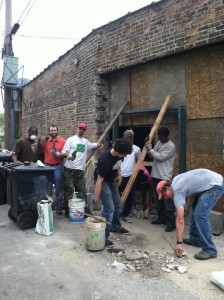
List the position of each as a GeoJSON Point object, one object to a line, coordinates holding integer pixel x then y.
{"type": "Point", "coordinates": [53, 157]}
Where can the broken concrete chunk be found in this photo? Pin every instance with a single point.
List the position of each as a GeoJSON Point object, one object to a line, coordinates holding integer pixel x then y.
{"type": "Point", "coordinates": [166, 269]}
{"type": "Point", "coordinates": [129, 266]}
{"type": "Point", "coordinates": [182, 269]}
{"type": "Point", "coordinates": [170, 266]}
{"type": "Point", "coordinates": [136, 255]}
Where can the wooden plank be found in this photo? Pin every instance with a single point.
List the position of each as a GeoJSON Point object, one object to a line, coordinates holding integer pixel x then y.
{"type": "Point", "coordinates": [144, 151]}
{"type": "Point", "coordinates": [106, 131]}
{"type": "Point", "coordinates": [148, 163]}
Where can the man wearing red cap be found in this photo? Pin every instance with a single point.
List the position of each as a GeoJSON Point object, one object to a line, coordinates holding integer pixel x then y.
{"type": "Point", "coordinates": [75, 151]}
{"type": "Point", "coordinates": [204, 188]}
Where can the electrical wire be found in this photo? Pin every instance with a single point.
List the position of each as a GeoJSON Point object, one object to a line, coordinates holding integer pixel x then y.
{"type": "Point", "coordinates": [27, 12]}
{"type": "Point", "coordinates": [46, 37]}
{"type": "Point", "coordinates": [24, 11]}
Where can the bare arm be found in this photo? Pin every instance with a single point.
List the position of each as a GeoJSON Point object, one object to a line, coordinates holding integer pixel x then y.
{"type": "Point", "coordinates": [98, 187]}
{"type": "Point", "coordinates": [179, 229]}
{"type": "Point", "coordinates": [14, 158]}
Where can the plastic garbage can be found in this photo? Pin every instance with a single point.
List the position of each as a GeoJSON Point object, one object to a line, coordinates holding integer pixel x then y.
{"type": "Point", "coordinates": [5, 158]}
{"type": "Point", "coordinates": [26, 186]}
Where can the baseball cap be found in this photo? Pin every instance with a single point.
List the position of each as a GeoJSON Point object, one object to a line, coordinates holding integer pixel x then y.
{"type": "Point", "coordinates": [82, 125]}
{"type": "Point", "coordinates": [160, 187]}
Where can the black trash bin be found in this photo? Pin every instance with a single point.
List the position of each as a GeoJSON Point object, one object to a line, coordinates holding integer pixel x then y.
{"type": "Point", "coordinates": [5, 158]}
{"type": "Point", "coordinates": [27, 185]}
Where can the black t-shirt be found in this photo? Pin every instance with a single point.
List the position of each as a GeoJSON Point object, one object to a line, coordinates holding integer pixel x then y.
{"type": "Point", "coordinates": [107, 167]}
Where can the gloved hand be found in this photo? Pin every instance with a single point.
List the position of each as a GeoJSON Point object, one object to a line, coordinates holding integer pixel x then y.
{"type": "Point", "coordinates": [148, 146]}
{"type": "Point", "coordinates": [117, 181]}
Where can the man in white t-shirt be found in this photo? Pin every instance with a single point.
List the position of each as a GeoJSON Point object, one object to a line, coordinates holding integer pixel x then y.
{"type": "Point", "coordinates": [127, 168]}
{"type": "Point", "coordinates": [204, 187]}
{"type": "Point", "coordinates": [75, 151]}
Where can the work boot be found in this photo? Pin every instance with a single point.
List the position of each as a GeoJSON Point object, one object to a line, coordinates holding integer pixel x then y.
{"type": "Point", "coordinates": [158, 221]}
{"type": "Point", "coordinates": [191, 243]}
{"type": "Point", "coordinates": [203, 255]}
{"type": "Point", "coordinates": [108, 243]}
{"type": "Point", "coordinates": [170, 227]}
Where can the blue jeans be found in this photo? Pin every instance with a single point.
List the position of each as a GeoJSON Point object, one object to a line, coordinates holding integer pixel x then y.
{"type": "Point", "coordinates": [111, 207]}
{"type": "Point", "coordinates": [200, 228]}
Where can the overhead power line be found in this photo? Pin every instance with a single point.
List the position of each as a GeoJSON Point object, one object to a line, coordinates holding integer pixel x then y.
{"type": "Point", "coordinates": [27, 11]}
{"type": "Point", "coordinates": [46, 37]}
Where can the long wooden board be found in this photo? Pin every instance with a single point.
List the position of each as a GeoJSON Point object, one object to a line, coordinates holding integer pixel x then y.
{"type": "Point", "coordinates": [144, 151]}
{"type": "Point", "coordinates": [100, 140]}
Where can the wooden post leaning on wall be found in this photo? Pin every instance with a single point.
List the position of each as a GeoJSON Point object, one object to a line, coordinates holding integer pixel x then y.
{"type": "Point", "coordinates": [106, 131]}
{"type": "Point", "coordinates": [144, 150]}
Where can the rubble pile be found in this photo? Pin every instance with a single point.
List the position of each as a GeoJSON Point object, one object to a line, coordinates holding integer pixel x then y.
{"type": "Point", "coordinates": [149, 263]}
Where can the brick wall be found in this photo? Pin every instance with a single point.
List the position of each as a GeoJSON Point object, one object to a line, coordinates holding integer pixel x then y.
{"type": "Point", "coordinates": [177, 42]}
{"type": "Point", "coordinates": [68, 93]}
{"type": "Point", "coordinates": [161, 29]}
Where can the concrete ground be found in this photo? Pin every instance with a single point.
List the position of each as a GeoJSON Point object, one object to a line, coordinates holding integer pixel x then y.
{"type": "Point", "coordinates": [59, 266]}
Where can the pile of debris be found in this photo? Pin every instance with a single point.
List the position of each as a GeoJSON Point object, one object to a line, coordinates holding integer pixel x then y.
{"type": "Point", "coordinates": [148, 263]}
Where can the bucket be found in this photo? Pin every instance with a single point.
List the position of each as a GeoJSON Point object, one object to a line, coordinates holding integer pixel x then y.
{"type": "Point", "coordinates": [74, 216]}
{"type": "Point", "coordinates": [95, 234]}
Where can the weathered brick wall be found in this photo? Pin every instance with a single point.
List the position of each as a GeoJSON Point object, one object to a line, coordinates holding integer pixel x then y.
{"type": "Point", "coordinates": [66, 93]}
{"type": "Point", "coordinates": [158, 30]}
{"type": "Point", "coordinates": [161, 29]}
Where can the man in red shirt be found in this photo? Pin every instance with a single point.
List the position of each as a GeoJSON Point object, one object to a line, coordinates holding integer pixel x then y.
{"type": "Point", "coordinates": [53, 157]}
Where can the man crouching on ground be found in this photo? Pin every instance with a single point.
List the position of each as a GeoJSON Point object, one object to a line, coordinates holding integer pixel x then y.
{"type": "Point", "coordinates": [106, 173]}
{"type": "Point", "coordinates": [206, 187]}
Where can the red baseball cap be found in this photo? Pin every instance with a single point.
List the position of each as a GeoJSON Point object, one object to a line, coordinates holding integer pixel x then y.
{"type": "Point", "coordinates": [82, 125]}
{"type": "Point", "coordinates": [160, 187]}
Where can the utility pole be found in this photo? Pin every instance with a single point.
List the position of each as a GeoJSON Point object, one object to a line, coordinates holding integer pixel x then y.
{"type": "Point", "coordinates": [7, 89]}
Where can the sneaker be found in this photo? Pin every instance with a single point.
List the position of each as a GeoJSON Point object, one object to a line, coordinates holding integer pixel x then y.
{"type": "Point", "coordinates": [108, 243]}
{"type": "Point", "coordinates": [122, 230]}
{"type": "Point", "coordinates": [190, 243]}
{"type": "Point", "coordinates": [170, 228]}
{"type": "Point", "coordinates": [158, 221]}
{"type": "Point", "coordinates": [127, 220]}
{"type": "Point", "coordinates": [203, 255]}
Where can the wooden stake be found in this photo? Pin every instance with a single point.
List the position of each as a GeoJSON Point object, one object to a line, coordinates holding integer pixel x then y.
{"type": "Point", "coordinates": [106, 131]}
{"type": "Point", "coordinates": [144, 151]}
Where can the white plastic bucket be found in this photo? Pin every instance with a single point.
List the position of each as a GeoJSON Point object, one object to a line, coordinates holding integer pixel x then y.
{"type": "Point", "coordinates": [95, 234]}
{"type": "Point", "coordinates": [74, 216]}
{"type": "Point", "coordinates": [74, 201]}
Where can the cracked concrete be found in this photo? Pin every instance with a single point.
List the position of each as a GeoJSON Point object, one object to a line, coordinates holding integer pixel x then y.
{"type": "Point", "coordinates": [59, 266]}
